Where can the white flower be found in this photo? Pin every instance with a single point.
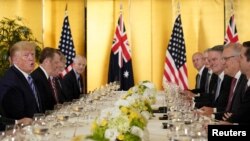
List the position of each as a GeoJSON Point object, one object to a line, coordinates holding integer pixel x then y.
{"type": "Point", "coordinates": [116, 112]}
{"type": "Point", "coordinates": [122, 102]}
{"type": "Point", "coordinates": [134, 89]}
{"type": "Point", "coordinates": [145, 114]}
{"type": "Point", "coordinates": [131, 99]}
{"type": "Point", "coordinates": [149, 85]}
{"type": "Point", "coordinates": [149, 93]}
{"type": "Point", "coordinates": [137, 131]}
{"type": "Point", "coordinates": [120, 123]}
{"type": "Point", "coordinates": [109, 113]}
{"type": "Point", "coordinates": [111, 134]}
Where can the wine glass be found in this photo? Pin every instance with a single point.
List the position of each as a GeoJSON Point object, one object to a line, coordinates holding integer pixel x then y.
{"type": "Point", "coordinates": [11, 129]}
{"type": "Point", "coordinates": [11, 132]}
{"type": "Point", "coordinates": [39, 124]}
{"type": "Point", "coordinates": [38, 116]}
{"type": "Point", "coordinates": [2, 135]}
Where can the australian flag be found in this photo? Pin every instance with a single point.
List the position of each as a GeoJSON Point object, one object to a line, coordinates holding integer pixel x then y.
{"type": "Point", "coordinates": [120, 66]}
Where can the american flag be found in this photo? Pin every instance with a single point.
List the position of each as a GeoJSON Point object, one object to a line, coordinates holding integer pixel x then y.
{"type": "Point", "coordinates": [66, 44]}
{"type": "Point", "coordinates": [231, 32]}
{"type": "Point", "coordinates": [120, 66]}
{"type": "Point", "coordinates": [175, 70]}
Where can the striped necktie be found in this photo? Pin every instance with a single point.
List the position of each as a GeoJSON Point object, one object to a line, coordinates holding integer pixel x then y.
{"type": "Point", "coordinates": [54, 89]}
{"type": "Point", "coordinates": [33, 88]}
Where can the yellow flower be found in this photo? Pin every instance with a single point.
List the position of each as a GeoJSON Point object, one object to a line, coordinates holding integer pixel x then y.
{"type": "Point", "coordinates": [78, 138]}
{"type": "Point", "coordinates": [133, 115]}
{"type": "Point", "coordinates": [143, 120]}
{"type": "Point", "coordinates": [93, 126]}
{"type": "Point", "coordinates": [135, 105]}
{"type": "Point", "coordinates": [124, 110]}
{"type": "Point", "coordinates": [121, 137]}
{"type": "Point", "coordinates": [129, 92]}
{"type": "Point", "coordinates": [104, 122]}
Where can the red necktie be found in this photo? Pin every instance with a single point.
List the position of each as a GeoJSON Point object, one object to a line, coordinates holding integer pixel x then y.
{"type": "Point", "coordinates": [231, 94]}
{"type": "Point", "coordinates": [54, 90]}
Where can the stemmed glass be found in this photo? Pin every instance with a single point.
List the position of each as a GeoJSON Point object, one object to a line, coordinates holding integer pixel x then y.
{"type": "Point", "coordinates": [2, 135]}
{"type": "Point", "coordinates": [11, 132]}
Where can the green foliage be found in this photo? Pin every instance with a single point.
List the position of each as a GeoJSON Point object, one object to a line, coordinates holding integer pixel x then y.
{"type": "Point", "coordinates": [12, 31]}
{"type": "Point", "coordinates": [98, 134]}
{"type": "Point", "coordinates": [149, 108]}
{"type": "Point", "coordinates": [131, 137]}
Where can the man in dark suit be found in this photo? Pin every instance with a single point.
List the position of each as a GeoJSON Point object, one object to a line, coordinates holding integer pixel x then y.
{"type": "Point", "coordinates": [56, 80]}
{"type": "Point", "coordinates": [242, 116]}
{"type": "Point", "coordinates": [220, 91]}
{"type": "Point", "coordinates": [72, 81]}
{"type": "Point", "coordinates": [49, 60]}
{"type": "Point", "coordinates": [18, 95]}
{"type": "Point", "coordinates": [201, 77]}
{"type": "Point", "coordinates": [231, 55]}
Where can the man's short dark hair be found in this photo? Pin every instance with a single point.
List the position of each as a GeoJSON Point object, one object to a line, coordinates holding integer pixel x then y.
{"type": "Point", "coordinates": [47, 52]}
{"type": "Point", "coordinates": [218, 48]}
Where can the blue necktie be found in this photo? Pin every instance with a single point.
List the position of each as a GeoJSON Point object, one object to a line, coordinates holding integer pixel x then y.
{"type": "Point", "coordinates": [33, 88]}
{"type": "Point", "coordinates": [207, 83]}
{"type": "Point", "coordinates": [80, 84]}
{"type": "Point", "coordinates": [217, 89]}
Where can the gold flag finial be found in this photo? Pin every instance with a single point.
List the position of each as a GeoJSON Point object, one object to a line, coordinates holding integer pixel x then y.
{"type": "Point", "coordinates": [120, 6]}
{"type": "Point", "coordinates": [232, 6]}
{"type": "Point", "coordinates": [178, 7]}
{"type": "Point", "coordinates": [66, 7]}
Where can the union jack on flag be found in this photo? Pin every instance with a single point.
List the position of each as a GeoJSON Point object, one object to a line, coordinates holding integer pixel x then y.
{"type": "Point", "coordinates": [120, 44]}
{"type": "Point", "coordinates": [120, 66]}
{"type": "Point", "coordinates": [175, 69]}
{"type": "Point", "coordinates": [231, 32]}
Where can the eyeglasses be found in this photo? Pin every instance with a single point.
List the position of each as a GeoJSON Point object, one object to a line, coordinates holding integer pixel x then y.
{"type": "Point", "coordinates": [226, 58]}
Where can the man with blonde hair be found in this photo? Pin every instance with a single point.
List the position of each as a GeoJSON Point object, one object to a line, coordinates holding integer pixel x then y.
{"type": "Point", "coordinates": [18, 96]}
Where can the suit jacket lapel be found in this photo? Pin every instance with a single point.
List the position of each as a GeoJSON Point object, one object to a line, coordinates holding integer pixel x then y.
{"type": "Point", "coordinates": [25, 82]}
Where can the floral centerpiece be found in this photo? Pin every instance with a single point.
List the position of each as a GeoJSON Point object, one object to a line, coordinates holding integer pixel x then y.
{"type": "Point", "coordinates": [124, 124]}
{"type": "Point", "coordinates": [127, 120]}
{"type": "Point", "coordinates": [144, 88]}
{"type": "Point", "coordinates": [140, 97]}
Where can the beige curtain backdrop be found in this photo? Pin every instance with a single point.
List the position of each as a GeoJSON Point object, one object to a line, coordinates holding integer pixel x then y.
{"type": "Point", "coordinates": [149, 26]}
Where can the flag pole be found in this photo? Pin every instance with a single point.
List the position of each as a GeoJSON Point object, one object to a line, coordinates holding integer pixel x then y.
{"type": "Point", "coordinates": [120, 75]}
{"type": "Point", "coordinates": [225, 18]}
{"type": "Point", "coordinates": [85, 45]}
